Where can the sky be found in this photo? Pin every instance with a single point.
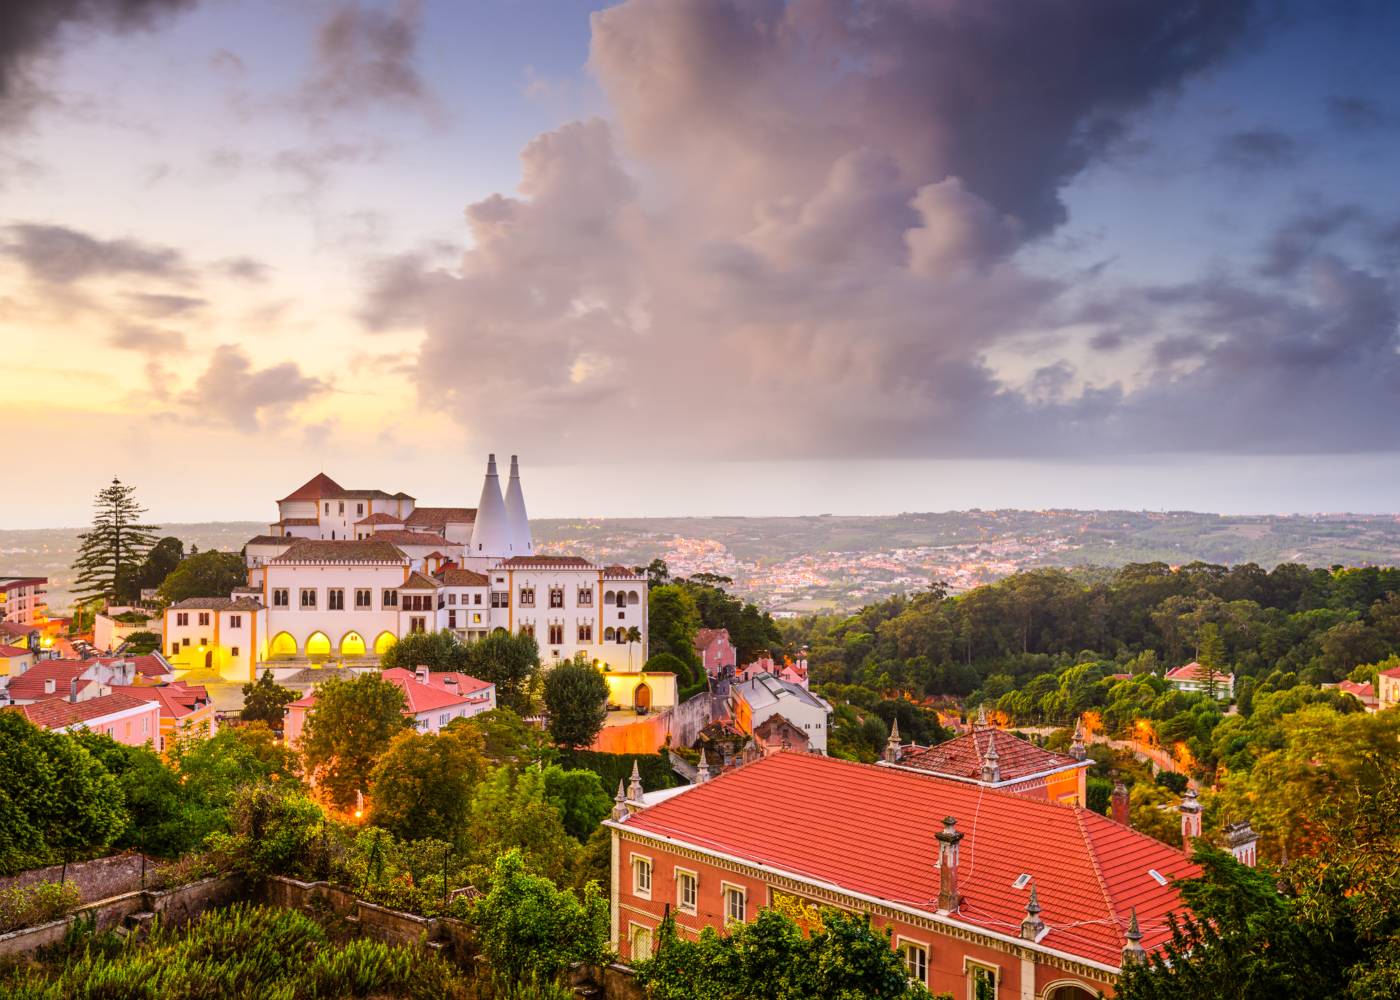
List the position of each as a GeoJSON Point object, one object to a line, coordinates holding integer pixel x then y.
{"type": "Point", "coordinates": [701, 256]}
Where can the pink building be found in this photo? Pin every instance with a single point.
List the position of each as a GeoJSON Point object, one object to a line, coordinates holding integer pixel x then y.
{"type": "Point", "coordinates": [127, 719]}
{"type": "Point", "coordinates": [716, 651]}
{"type": "Point", "coordinates": [432, 700]}
{"type": "Point", "coordinates": [792, 671]}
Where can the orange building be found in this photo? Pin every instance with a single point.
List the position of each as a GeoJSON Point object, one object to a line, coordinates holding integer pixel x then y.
{"type": "Point", "coordinates": [980, 888]}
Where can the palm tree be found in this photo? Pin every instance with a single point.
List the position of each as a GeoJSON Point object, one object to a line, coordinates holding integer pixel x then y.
{"type": "Point", "coordinates": [634, 634]}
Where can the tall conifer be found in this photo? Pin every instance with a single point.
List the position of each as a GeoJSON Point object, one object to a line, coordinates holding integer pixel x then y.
{"type": "Point", "coordinates": [114, 549]}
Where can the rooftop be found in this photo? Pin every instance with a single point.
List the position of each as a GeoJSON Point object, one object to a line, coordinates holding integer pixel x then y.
{"type": "Point", "coordinates": [870, 830]}
{"type": "Point", "coordinates": [961, 757]}
{"type": "Point", "coordinates": [218, 604]}
{"type": "Point", "coordinates": [57, 713]}
{"type": "Point", "coordinates": [379, 518]}
{"type": "Point", "coordinates": [1194, 671]}
{"type": "Point", "coordinates": [440, 517]}
{"type": "Point", "coordinates": [463, 578]}
{"type": "Point", "coordinates": [546, 562]}
{"type": "Point", "coordinates": [409, 538]}
{"type": "Point", "coordinates": [765, 689]}
{"type": "Point", "coordinates": [313, 550]}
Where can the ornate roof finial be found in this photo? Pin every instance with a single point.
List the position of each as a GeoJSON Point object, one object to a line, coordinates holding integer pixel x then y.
{"type": "Point", "coordinates": [1032, 925]}
{"type": "Point", "coordinates": [982, 714]}
{"type": "Point", "coordinates": [991, 769]}
{"type": "Point", "coordinates": [619, 802]}
{"type": "Point", "coordinates": [634, 787]}
{"type": "Point", "coordinates": [892, 747]}
{"type": "Point", "coordinates": [702, 772]}
{"type": "Point", "coordinates": [1077, 750]}
{"type": "Point", "coordinates": [1132, 943]}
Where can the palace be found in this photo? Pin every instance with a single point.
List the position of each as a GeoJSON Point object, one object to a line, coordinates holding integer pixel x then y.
{"type": "Point", "coordinates": [342, 574]}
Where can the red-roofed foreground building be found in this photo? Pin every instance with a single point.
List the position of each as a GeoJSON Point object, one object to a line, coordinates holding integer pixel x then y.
{"type": "Point", "coordinates": [980, 888]}
{"type": "Point", "coordinates": [126, 718]}
{"type": "Point", "coordinates": [1388, 688]}
{"type": "Point", "coordinates": [432, 700]}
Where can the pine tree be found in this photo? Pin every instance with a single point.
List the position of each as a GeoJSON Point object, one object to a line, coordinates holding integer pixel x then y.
{"type": "Point", "coordinates": [113, 551]}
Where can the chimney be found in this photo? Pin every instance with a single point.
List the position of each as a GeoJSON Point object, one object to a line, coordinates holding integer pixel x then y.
{"type": "Point", "coordinates": [991, 768]}
{"type": "Point", "coordinates": [1132, 942]}
{"type": "Point", "coordinates": [73, 691]}
{"type": "Point", "coordinates": [1119, 800]}
{"type": "Point", "coordinates": [948, 839]}
{"type": "Point", "coordinates": [892, 747]}
{"type": "Point", "coordinates": [1032, 925]}
{"type": "Point", "coordinates": [50, 686]}
{"type": "Point", "coordinates": [1242, 841]}
{"type": "Point", "coordinates": [1077, 750]}
{"type": "Point", "coordinates": [421, 674]}
{"type": "Point", "coordinates": [1190, 810]}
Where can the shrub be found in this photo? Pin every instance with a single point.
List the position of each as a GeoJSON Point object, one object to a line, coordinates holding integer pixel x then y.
{"type": "Point", "coordinates": [27, 905]}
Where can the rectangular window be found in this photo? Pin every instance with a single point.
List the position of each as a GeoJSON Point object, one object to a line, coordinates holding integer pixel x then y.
{"type": "Point", "coordinates": [182, 618]}
{"type": "Point", "coordinates": [556, 634]}
{"type": "Point", "coordinates": [174, 649]}
{"type": "Point", "coordinates": [734, 904]}
{"type": "Point", "coordinates": [527, 628]}
{"type": "Point", "coordinates": [476, 617]}
{"type": "Point", "coordinates": [418, 625]}
{"type": "Point", "coordinates": [500, 599]}
{"type": "Point", "coordinates": [342, 507]}
{"type": "Point", "coordinates": [640, 941]}
{"type": "Point", "coordinates": [451, 619]}
{"type": "Point", "coordinates": [233, 651]}
{"type": "Point", "coordinates": [915, 961]}
{"type": "Point", "coordinates": [585, 631]}
{"type": "Point", "coordinates": [452, 599]}
{"type": "Point", "coordinates": [328, 508]}
{"type": "Point", "coordinates": [308, 599]}
{"type": "Point", "coordinates": [364, 599]}
{"type": "Point", "coordinates": [981, 982]}
{"type": "Point", "coordinates": [335, 599]}
{"type": "Point", "coordinates": [235, 621]}
{"type": "Point", "coordinates": [279, 597]}
{"type": "Point", "coordinates": [641, 876]}
{"type": "Point", "coordinates": [391, 598]}
{"type": "Point", "coordinates": [204, 640]}
{"type": "Point", "coordinates": [687, 891]}
{"type": "Point", "coordinates": [204, 618]}
{"type": "Point", "coordinates": [585, 597]}
{"type": "Point", "coordinates": [556, 597]}
{"type": "Point", "coordinates": [476, 598]}
{"type": "Point", "coordinates": [359, 508]}
{"type": "Point", "coordinates": [527, 597]}
{"type": "Point", "coordinates": [185, 642]}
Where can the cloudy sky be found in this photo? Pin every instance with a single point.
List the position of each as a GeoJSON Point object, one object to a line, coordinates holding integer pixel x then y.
{"type": "Point", "coordinates": [701, 256]}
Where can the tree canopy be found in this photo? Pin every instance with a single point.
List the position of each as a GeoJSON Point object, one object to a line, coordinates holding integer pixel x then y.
{"type": "Point", "coordinates": [112, 550]}
{"type": "Point", "coordinates": [204, 574]}
{"type": "Point", "coordinates": [348, 729]}
{"type": "Point", "coordinates": [266, 701]}
{"type": "Point", "coordinates": [576, 697]}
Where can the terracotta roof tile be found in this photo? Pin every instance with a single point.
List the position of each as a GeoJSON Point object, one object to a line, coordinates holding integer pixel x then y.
{"type": "Point", "coordinates": [270, 540]}
{"type": "Point", "coordinates": [961, 757]}
{"type": "Point", "coordinates": [1193, 671]}
{"type": "Point", "coordinates": [408, 538]}
{"type": "Point", "coordinates": [314, 488]}
{"type": "Point", "coordinates": [14, 651]}
{"type": "Point", "coordinates": [218, 604]}
{"type": "Point", "coordinates": [464, 578]}
{"type": "Point", "coordinates": [417, 581]}
{"type": "Point", "coordinates": [380, 518]}
{"type": "Point", "coordinates": [440, 517]}
{"type": "Point", "coordinates": [56, 713]}
{"type": "Point", "coordinates": [314, 550]}
{"type": "Point", "coordinates": [871, 830]}
{"type": "Point", "coordinates": [546, 562]}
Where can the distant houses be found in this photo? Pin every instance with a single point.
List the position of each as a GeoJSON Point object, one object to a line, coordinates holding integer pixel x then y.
{"type": "Point", "coordinates": [431, 700]}
{"type": "Point", "coordinates": [1196, 678]}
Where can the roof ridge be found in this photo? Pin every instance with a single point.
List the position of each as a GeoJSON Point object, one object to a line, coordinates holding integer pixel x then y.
{"type": "Point", "coordinates": [1093, 854]}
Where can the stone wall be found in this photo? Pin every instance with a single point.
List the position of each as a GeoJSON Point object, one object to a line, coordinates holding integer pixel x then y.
{"type": "Point", "coordinates": [174, 906]}
{"type": "Point", "coordinates": [99, 878]}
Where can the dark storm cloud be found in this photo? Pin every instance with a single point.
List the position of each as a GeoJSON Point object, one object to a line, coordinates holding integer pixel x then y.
{"type": "Point", "coordinates": [31, 28]}
{"type": "Point", "coordinates": [805, 217]}
{"type": "Point", "coordinates": [59, 254]}
{"type": "Point", "coordinates": [1259, 149]}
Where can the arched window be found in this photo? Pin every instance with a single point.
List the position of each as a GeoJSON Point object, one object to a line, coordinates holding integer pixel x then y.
{"type": "Point", "coordinates": [282, 645]}
{"type": "Point", "coordinates": [633, 597]}
{"type": "Point", "coordinates": [622, 599]}
{"type": "Point", "coordinates": [318, 644]}
{"type": "Point", "coordinates": [609, 634]}
{"type": "Point", "coordinates": [352, 644]}
{"type": "Point", "coordinates": [382, 644]}
{"type": "Point", "coordinates": [1069, 991]}
{"type": "Point", "coordinates": [608, 598]}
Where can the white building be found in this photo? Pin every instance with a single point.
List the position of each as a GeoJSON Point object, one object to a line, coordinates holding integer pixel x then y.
{"type": "Point", "coordinates": [754, 701]}
{"type": "Point", "coordinates": [343, 574]}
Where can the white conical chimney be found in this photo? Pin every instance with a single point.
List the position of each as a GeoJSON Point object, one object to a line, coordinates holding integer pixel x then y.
{"type": "Point", "coordinates": [491, 532]}
{"type": "Point", "coordinates": [520, 542]}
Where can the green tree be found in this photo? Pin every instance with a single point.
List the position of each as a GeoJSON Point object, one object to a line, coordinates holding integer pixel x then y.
{"type": "Point", "coordinates": [1211, 656]}
{"type": "Point", "coordinates": [350, 726]}
{"type": "Point", "coordinates": [580, 798]}
{"type": "Point", "coordinates": [509, 739]}
{"type": "Point", "coordinates": [160, 562]}
{"type": "Point", "coordinates": [511, 662]}
{"type": "Point", "coordinates": [266, 701]}
{"type": "Point", "coordinates": [673, 621]}
{"type": "Point", "coordinates": [438, 651]}
{"type": "Point", "coordinates": [422, 785]}
{"type": "Point", "coordinates": [204, 574]}
{"type": "Point", "coordinates": [159, 814]}
{"type": "Point", "coordinates": [86, 812]}
{"type": "Point", "coordinates": [512, 811]}
{"type": "Point", "coordinates": [140, 644]}
{"type": "Point", "coordinates": [531, 931]}
{"type": "Point", "coordinates": [111, 552]}
{"type": "Point", "coordinates": [576, 697]}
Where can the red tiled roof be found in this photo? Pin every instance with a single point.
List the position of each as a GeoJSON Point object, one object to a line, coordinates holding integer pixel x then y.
{"type": "Point", "coordinates": [318, 486]}
{"type": "Point", "coordinates": [8, 651]}
{"type": "Point", "coordinates": [417, 581]}
{"type": "Point", "coordinates": [1392, 672]}
{"type": "Point", "coordinates": [546, 562]}
{"type": "Point", "coordinates": [380, 518]}
{"type": "Point", "coordinates": [961, 757]}
{"type": "Point", "coordinates": [149, 665]}
{"type": "Point", "coordinates": [176, 700]}
{"type": "Point", "coordinates": [870, 830]}
{"type": "Point", "coordinates": [1193, 671]}
{"type": "Point", "coordinates": [419, 697]}
{"type": "Point", "coordinates": [56, 713]}
{"type": "Point", "coordinates": [409, 538]}
{"type": "Point", "coordinates": [16, 629]}
{"type": "Point", "coordinates": [317, 550]}
{"type": "Point", "coordinates": [705, 636]}
{"type": "Point", "coordinates": [440, 517]}
{"type": "Point", "coordinates": [30, 684]}
{"type": "Point", "coordinates": [463, 578]}
{"type": "Point", "coordinates": [296, 522]}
